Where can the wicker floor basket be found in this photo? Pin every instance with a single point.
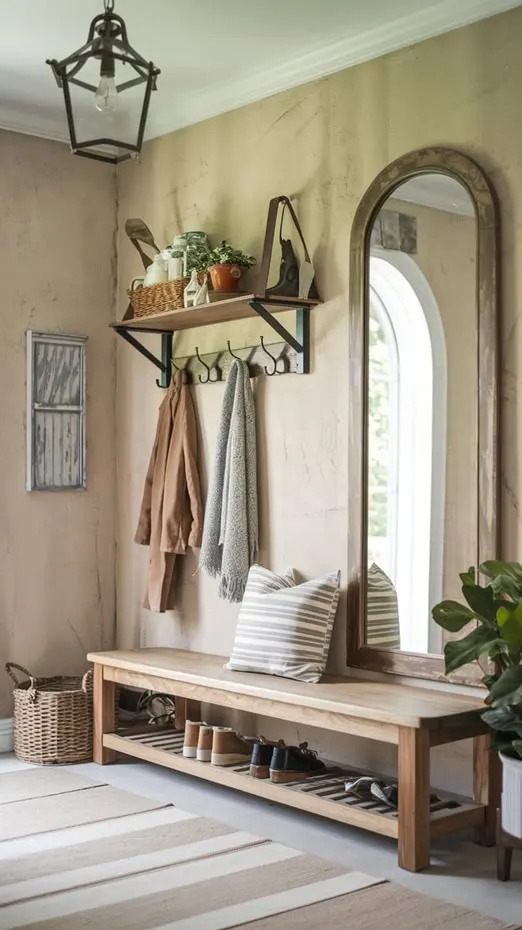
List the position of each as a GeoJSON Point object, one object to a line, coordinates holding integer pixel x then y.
{"type": "Point", "coordinates": [53, 718]}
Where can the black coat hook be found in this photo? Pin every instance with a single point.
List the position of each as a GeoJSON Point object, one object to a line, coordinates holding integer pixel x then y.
{"type": "Point", "coordinates": [276, 368]}
{"type": "Point", "coordinates": [232, 353]}
{"type": "Point", "coordinates": [200, 360]}
{"type": "Point", "coordinates": [210, 377]}
{"type": "Point", "coordinates": [187, 378]}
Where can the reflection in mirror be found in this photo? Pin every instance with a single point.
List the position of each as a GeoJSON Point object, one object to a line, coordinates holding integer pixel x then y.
{"type": "Point", "coordinates": [422, 409]}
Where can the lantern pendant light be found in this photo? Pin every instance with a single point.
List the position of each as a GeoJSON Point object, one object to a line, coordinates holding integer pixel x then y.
{"type": "Point", "coordinates": [108, 48]}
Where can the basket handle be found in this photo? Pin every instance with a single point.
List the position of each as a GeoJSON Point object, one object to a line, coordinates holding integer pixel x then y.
{"type": "Point", "coordinates": [86, 679]}
{"type": "Point", "coordinates": [9, 666]}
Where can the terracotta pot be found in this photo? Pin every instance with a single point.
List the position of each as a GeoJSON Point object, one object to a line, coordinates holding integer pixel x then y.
{"type": "Point", "coordinates": [225, 277]}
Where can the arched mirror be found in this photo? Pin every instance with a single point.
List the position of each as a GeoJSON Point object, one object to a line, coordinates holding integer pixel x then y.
{"type": "Point", "coordinates": [423, 404]}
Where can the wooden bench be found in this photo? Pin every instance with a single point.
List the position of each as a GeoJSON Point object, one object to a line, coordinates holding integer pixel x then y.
{"type": "Point", "coordinates": [412, 718]}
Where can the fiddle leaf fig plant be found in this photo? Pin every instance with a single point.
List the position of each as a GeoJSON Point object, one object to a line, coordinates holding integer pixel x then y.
{"type": "Point", "coordinates": [496, 610]}
{"type": "Point", "coordinates": [224, 254]}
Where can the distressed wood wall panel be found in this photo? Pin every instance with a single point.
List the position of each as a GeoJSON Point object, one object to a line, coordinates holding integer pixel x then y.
{"type": "Point", "coordinates": [57, 374]}
{"type": "Point", "coordinates": [57, 460]}
{"type": "Point", "coordinates": [55, 412]}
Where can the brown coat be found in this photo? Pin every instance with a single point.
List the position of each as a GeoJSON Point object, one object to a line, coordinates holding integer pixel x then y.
{"type": "Point", "coordinates": [171, 516]}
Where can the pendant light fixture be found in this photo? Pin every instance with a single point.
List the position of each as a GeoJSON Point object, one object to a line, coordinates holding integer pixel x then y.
{"type": "Point", "coordinates": [106, 54]}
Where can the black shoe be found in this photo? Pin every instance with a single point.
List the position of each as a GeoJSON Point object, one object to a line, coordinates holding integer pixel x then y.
{"type": "Point", "coordinates": [262, 757]}
{"type": "Point", "coordinates": [293, 763]}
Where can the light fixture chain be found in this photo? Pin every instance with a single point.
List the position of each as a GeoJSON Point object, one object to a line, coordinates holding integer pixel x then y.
{"type": "Point", "coordinates": [109, 5]}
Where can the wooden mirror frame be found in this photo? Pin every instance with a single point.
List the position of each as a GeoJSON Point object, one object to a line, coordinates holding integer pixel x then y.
{"type": "Point", "coordinates": [471, 176]}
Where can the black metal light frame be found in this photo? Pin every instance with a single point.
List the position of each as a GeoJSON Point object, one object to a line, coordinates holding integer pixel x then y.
{"type": "Point", "coordinates": [108, 42]}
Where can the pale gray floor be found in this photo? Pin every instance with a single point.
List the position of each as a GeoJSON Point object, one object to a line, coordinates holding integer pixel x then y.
{"type": "Point", "coordinates": [460, 872]}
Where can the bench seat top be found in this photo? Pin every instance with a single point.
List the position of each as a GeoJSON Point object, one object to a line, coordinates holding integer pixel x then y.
{"type": "Point", "coordinates": [384, 702]}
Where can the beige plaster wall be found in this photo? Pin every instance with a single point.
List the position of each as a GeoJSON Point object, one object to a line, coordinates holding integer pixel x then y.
{"type": "Point", "coordinates": [322, 143]}
{"type": "Point", "coordinates": [57, 273]}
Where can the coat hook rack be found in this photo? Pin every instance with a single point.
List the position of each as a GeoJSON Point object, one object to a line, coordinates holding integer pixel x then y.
{"type": "Point", "coordinates": [210, 367]}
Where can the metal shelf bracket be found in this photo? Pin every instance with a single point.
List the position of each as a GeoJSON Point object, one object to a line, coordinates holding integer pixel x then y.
{"type": "Point", "coordinates": [300, 342]}
{"type": "Point", "coordinates": [163, 363]}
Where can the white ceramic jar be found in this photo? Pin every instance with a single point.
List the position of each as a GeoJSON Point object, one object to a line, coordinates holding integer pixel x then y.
{"type": "Point", "coordinates": [175, 267]}
{"type": "Point", "coordinates": [156, 273]}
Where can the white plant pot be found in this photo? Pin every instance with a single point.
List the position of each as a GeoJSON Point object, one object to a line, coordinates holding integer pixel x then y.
{"type": "Point", "coordinates": [512, 795]}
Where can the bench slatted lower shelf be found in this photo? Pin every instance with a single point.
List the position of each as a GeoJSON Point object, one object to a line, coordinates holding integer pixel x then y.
{"type": "Point", "coordinates": [323, 794]}
{"type": "Point", "coordinates": [412, 718]}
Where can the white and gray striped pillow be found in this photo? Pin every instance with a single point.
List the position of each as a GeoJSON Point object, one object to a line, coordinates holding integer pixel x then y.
{"type": "Point", "coordinates": [382, 620]}
{"type": "Point", "coordinates": [285, 628]}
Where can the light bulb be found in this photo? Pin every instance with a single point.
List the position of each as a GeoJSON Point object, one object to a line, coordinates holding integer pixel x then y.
{"type": "Point", "coordinates": [106, 97]}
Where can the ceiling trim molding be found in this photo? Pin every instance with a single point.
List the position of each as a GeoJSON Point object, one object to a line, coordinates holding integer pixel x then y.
{"type": "Point", "coordinates": [330, 59]}
{"type": "Point", "coordinates": [43, 129]}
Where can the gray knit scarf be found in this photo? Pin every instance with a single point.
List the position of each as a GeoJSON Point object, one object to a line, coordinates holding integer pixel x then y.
{"type": "Point", "coordinates": [230, 531]}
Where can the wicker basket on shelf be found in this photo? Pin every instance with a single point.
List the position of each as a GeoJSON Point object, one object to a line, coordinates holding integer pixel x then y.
{"type": "Point", "coordinates": [53, 718]}
{"type": "Point", "coordinates": [158, 298]}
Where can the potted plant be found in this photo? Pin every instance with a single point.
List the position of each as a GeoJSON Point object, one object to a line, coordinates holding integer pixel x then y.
{"type": "Point", "coordinates": [496, 609]}
{"type": "Point", "coordinates": [197, 258]}
{"type": "Point", "coordinates": [226, 265]}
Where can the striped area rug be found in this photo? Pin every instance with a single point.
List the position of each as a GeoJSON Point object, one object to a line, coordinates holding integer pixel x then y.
{"type": "Point", "coordinates": [160, 868]}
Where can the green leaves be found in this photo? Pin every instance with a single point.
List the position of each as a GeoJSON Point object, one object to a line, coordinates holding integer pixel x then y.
{"type": "Point", "coordinates": [452, 616]}
{"type": "Point", "coordinates": [504, 719]}
{"type": "Point", "coordinates": [497, 610]}
{"type": "Point", "coordinates": [509, 619]}
{"type": "Point", "coordinates": [506, 578]}
{"type": "Point", "coordinates": [460, 652]}
{"type": "Point", "coordinates": [508, 688]}
{"type": "Point", "coordinates": [505, 587]}
{"type": "Point", "coordinates": [482, 602]}
{"type": "Point", "coordinates": [505, 713]}
{"type": "Point", "coordinates": [224, 254]}
{"type": "Point", "coordinates": [493, 569]}
{"type": "Point", "coordinates": [469, 576]}
{"type": "Point", "coordinates": [503, 743]}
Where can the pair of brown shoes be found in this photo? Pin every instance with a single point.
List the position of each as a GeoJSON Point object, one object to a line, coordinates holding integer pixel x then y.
{"type": "Point", "coordinates": [217, 745]}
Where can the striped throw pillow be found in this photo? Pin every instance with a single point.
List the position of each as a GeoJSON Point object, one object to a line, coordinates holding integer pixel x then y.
{"type": "Point", "coordinates": [285, 628]}
{"type": "Point", "coordinates": [382, 617]}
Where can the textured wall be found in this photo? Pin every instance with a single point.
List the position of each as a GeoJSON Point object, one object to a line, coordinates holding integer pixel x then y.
{"type": "Point", "coordinates": [322, 143]}
{"type": "Point", "coordinates": [57, 272]}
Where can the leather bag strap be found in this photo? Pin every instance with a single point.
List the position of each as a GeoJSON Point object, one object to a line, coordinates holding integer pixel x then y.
{"type": "Point", "coordinates": [270, 235]}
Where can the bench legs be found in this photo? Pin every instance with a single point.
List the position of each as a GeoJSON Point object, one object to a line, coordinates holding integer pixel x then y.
{"type": "Point", "coordinates": [414, 799]}
{"type": "Point", "coordinates": [104, 716]}
{"type": "Point", "coordinates": [487, 776]}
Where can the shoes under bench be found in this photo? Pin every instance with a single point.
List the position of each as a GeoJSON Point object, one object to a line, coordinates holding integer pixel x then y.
{"type": "Point", "coordinates": [223, 746]}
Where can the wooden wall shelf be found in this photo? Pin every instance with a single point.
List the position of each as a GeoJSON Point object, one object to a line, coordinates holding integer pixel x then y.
{"type": "Point", "coordinates": [219, 311]}
{"type": "Point", "coordinates": [241, 307]}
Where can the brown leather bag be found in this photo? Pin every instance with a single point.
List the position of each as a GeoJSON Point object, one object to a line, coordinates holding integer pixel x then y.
{"type": "Point", "coordinates": [288, 283]}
